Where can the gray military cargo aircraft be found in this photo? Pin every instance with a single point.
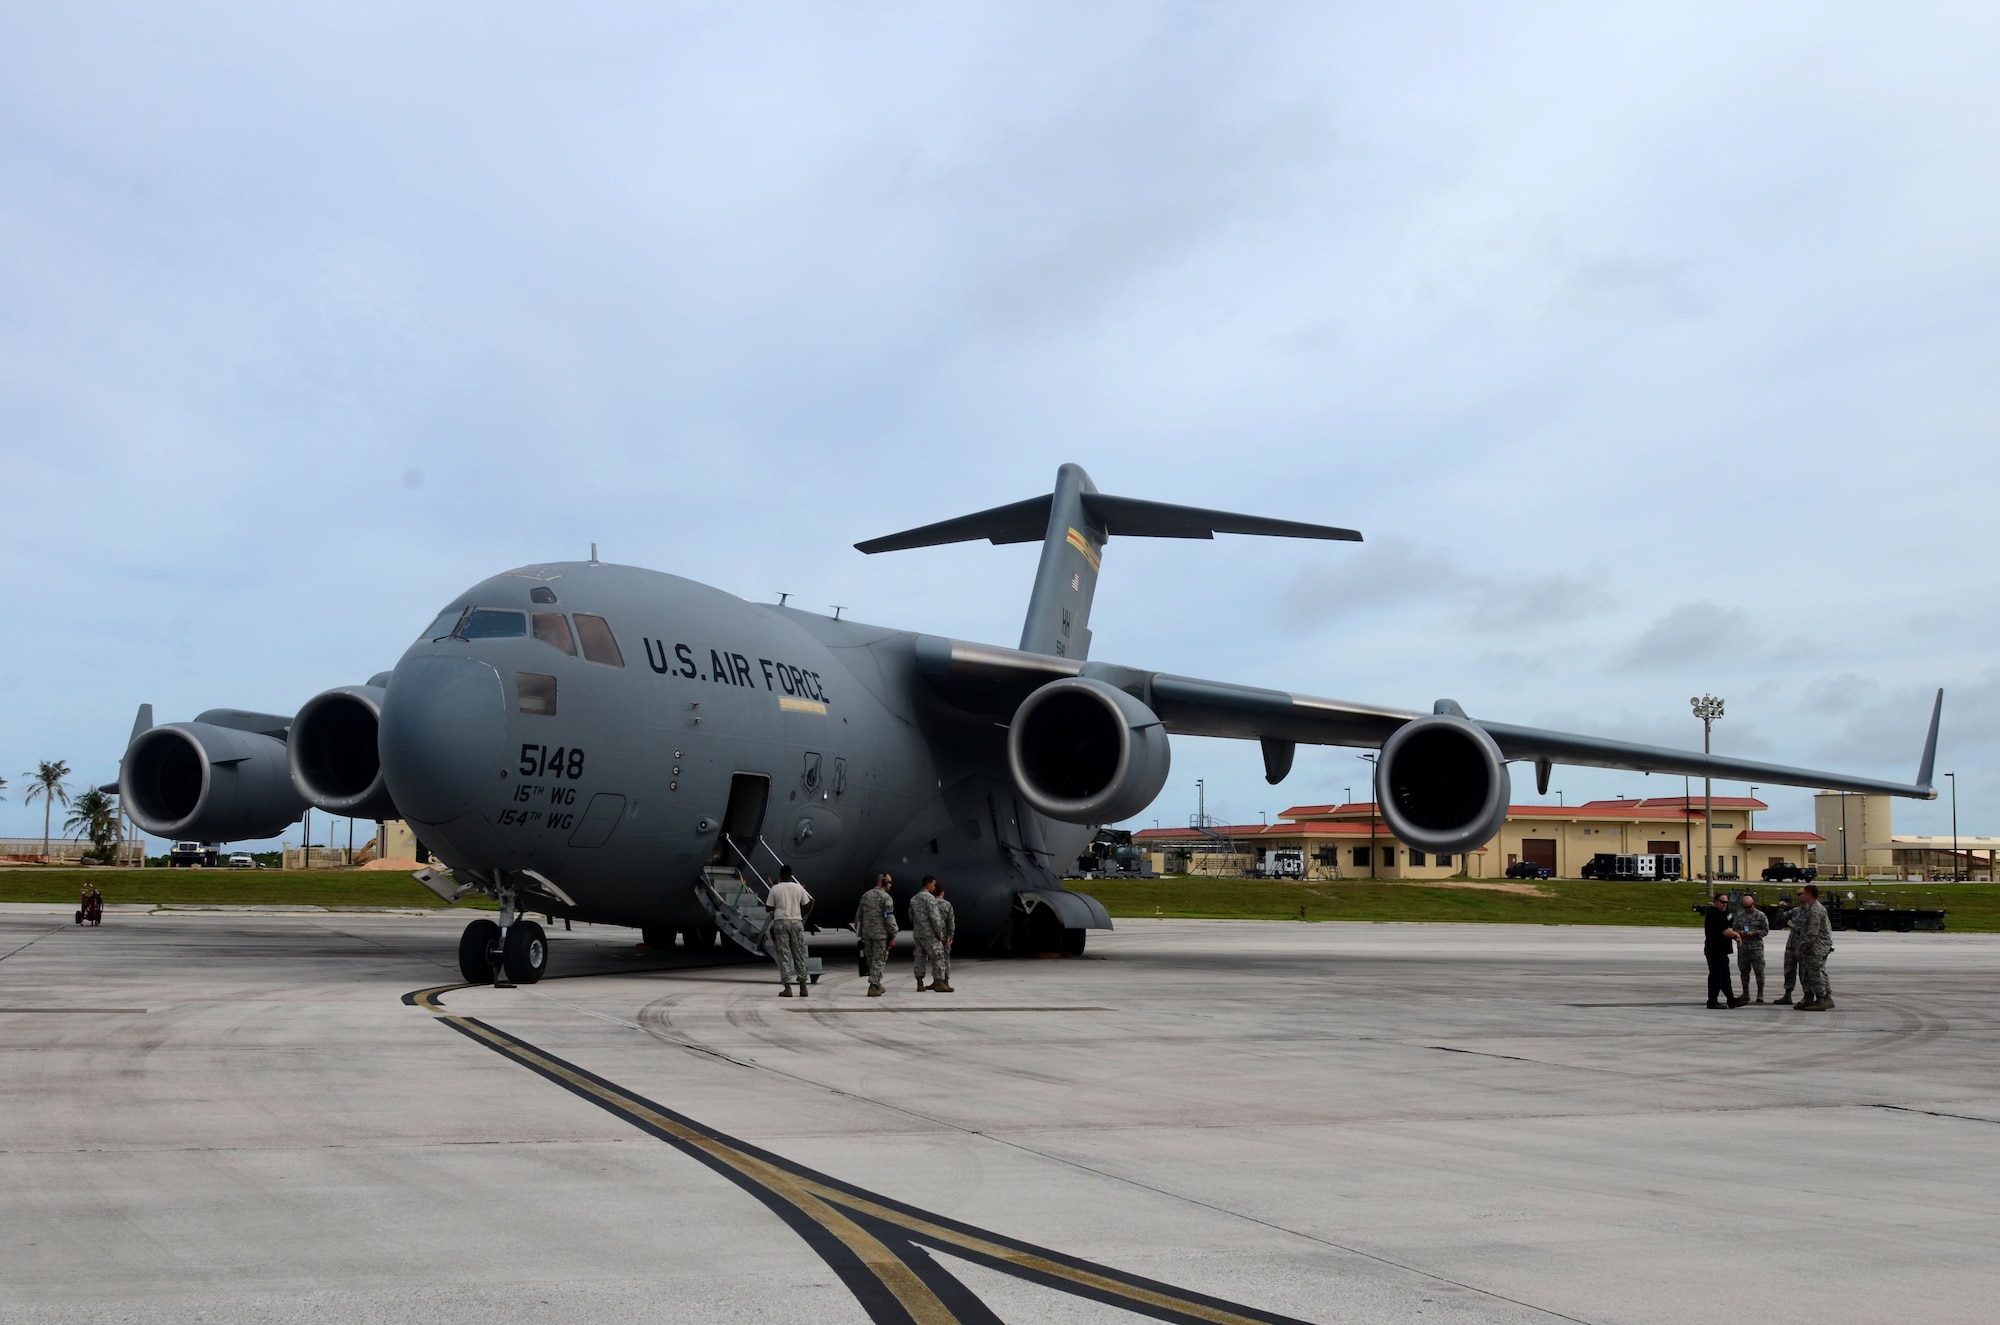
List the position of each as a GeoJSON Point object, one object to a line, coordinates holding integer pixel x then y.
{"type": "Point", "coordinates": [627, 747]}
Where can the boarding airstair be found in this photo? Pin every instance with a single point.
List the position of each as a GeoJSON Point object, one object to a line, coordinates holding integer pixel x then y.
{"type": "Point", "coordinates": [733, 894]}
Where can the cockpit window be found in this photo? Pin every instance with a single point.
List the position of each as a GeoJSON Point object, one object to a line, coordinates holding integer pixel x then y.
{"type": "Point", "coordinates": [598, 646]}
{"type": "Point", "coordinates": [541, 593]}
{"type": "Point", "coordinates": [446, 623]}
{"type": "Point", "coordinates": [485, 623]}
{"type": "Point", "coordinates": [552, 628]}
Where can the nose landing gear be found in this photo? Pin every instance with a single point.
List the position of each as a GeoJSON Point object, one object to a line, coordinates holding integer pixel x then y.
{"type": "Point", "coordinates": [525, 952]}
{"type": "Point", "coordinates": [513, 951]}
{"type": "Point", "coordinates": [477, 948]}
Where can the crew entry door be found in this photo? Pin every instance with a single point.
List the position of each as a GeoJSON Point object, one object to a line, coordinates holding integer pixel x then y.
{"type": "Point", "coordinates": [743, 817]}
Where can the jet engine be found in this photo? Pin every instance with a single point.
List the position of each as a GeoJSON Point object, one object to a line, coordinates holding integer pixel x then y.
{"type": "Point", "coordinates": [1085, 752]}
{"type": "Point", "coordinates": [335, 764]}
{"type": "Point", "coordinates": [210, 782]}
{"type": "Point", "coordinates": [1442, 784]}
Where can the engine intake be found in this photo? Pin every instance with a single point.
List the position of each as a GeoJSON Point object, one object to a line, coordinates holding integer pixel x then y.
{"type": "Point", "coordinates": [1442, 784]}
{"type": "Point", "coordinates": [1085, 752]}
{"type": "Point", "coordinates": [209, 783]}
{"type": "Point", "coordinates": [335, 763]}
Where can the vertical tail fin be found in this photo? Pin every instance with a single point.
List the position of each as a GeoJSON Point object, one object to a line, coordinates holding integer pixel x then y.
{"type": "Point", "coordinates": [1074, 523]}
{"type": "Point", "coordinates": [1066, 580]}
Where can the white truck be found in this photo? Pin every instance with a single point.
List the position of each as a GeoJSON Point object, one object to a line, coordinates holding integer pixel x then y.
{"type": "Point", "coordinates": [1281, 863]}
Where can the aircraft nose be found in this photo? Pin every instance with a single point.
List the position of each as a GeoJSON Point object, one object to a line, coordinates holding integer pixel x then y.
{"type": "Point", "coordinates": [443, 722]}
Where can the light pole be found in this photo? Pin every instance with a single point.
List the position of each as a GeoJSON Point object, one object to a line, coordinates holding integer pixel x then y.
{"type": "Point", "coordinates": [1954, 826]}
{"type": "Point", "coordinates": [1708, 708]}
{"type": "Point", "coordinates": [1374, 809]}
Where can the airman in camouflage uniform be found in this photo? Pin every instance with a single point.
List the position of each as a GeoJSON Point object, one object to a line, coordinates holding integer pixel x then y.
{"type": "Point", "coordinates": [1814, 932]}
{"type": "Point", "coordinates": [1751, 927]}
{"type": "Point", "coordinates": [1789, 912]}
{"type": "Point", "coordinates": [875, 923]}
{"type": "Point", "coordinates": [947, 929]}
{"type": "Point", "coordinates": [923, 931]}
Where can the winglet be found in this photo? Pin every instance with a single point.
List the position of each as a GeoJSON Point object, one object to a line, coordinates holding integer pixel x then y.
{"type": "Point", "coordinates": [1925, 765]}
{"type": "Point", "coordinates": [142, 723]}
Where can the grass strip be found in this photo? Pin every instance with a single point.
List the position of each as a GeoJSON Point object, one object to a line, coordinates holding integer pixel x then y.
{"type": "Point", "coordinates": [183, 887]}
{"type": "Point", "coordinates": [1971, 907]}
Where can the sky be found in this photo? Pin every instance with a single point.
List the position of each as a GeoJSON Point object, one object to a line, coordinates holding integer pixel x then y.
{"type": "Point", "coordinates": [1652, 348]}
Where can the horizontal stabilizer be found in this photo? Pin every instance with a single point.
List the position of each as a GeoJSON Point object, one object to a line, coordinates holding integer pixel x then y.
{"type": "Point", "coordinates": [1028, 521]}
{"type": "Point", "coordinates": [1133, 518]}
{"type": "Point", "coordinates": [1023, 522]}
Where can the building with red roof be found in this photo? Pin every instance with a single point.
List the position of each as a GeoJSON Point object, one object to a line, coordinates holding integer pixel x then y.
{"type": "Point", "coordinates": [1350, 841]}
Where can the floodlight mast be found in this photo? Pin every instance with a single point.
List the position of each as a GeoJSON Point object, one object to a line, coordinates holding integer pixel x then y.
{"type": "Point", "coordinates": [1708, 708]}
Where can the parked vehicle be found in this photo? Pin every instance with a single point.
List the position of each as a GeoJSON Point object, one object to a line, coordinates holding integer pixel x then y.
{"type": "Point", "coordinates": [193, 855]}
{"type": "Point", "coordinates": [1528, 869]}
{"type": "Point", "coordinates": [1786, 872]}
{"type": "Point", "coordinates": [1281, 863]}
{"type": "Point", "coordinates": [1871, 915]}
{"type": "Point", "coordinates": [1112, 855]}
{"type": "Point", "coordinates": [242, 860]}
{"type": "Point", "coordinates": [1638, 865]}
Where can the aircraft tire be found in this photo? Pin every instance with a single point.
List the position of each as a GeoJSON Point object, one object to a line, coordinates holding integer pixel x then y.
{"type": "Point", "coordinates": [527, 953]}
{"type": "Point", "coordinates": [475, 951]}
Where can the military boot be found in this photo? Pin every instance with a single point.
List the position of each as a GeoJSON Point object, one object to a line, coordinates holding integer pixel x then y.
{"type": "Point", "coordinates": [940, 987]}
{"type": "Point", "coordinates": [786, 992]}
{"type": "Point", "coordinates": [802, 990]}
{"type": "Point", "coordinates": [1785, 1002]}
{"type": "Point", "coordinates": [1810, 1005]}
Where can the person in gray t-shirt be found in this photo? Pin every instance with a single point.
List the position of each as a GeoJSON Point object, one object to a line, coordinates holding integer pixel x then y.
{"type": "Point", "coordinates": [788, 903]}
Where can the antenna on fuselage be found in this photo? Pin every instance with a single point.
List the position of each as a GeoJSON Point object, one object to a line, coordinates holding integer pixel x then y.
{"type": "Point", "coordinates": [782, 596]}
{"type": "Point", "coordinates": [838, 608]}
{"type": "Point", "coordinates": [593, 554]}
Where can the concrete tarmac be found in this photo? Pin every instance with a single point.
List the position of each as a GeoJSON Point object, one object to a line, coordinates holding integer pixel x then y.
{"type": "Point", "coordinates": [233, 1116]}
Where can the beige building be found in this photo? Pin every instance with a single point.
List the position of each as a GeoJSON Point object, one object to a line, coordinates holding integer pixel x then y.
{"type": "Point", "coordinates": [1351, 842]}
{"type": "Point", "coordinates": [1855, 828]}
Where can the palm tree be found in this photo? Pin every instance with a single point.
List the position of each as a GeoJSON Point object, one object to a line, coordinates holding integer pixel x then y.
{"type": "Point", "coordinates": [47, 786]}
{"type": "Point", "coordinates": [95, 815]}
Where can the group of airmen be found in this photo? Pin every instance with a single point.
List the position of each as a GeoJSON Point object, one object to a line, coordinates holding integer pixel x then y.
{"type": "Point", "coordinates": [933, 927]}
{"type": "Point", "coordinates": [1808, 940]}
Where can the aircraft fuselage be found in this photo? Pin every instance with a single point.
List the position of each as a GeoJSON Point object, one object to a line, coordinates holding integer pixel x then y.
{"type": "Point", "coordinates": [513, 739]}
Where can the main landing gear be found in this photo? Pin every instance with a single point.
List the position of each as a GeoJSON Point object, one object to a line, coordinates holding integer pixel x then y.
{"type": "Point", "coordinates": [514, 948]}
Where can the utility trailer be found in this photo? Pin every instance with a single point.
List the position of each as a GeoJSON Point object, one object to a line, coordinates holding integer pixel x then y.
{"type": "Point", "coordinates": [1866, 915]}
{"type": "Point", "coordinates": [1638, 865]}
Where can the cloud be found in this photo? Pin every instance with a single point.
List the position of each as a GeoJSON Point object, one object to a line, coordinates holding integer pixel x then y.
{"type": "Point", "coordinates": [1702, 631]}
{"type": "Point", "coordinates": [1885, 728]}
{"type": "Point", "coordinates": [1405, 573]}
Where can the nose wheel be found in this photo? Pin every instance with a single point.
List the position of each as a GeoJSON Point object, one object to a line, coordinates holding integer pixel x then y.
{"type": "Point", "coordinates": [477, 948]}
{"type": "Point", "coordinates": [485, 952]}
{"type": "Point", "coordinates": [525, 952]}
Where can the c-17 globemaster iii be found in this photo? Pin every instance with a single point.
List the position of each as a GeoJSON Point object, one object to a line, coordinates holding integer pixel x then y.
{"type": "Point", "coordinates": [622, 746]}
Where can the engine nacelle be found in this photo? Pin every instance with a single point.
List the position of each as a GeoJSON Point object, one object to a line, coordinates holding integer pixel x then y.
{"type": "Point", "coordinates": [1085, 752]}
{"type": "Point", "coordinates": [207, 783]}
{"type": "Point", "coordinates": [1442, 784]}
{"type": "Point", "coordinates": [335, 763]}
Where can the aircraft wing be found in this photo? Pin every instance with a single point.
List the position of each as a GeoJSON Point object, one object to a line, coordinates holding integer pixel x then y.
{"type": "Point", "coordinates": [994, 680]}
